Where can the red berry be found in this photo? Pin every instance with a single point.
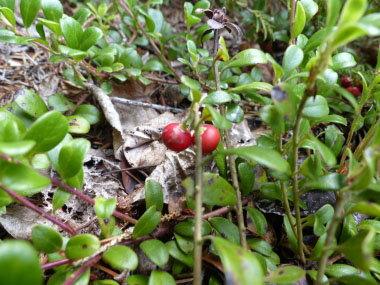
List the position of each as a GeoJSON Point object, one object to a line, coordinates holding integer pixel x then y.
{"type": "Point", "coordinates": [360, 86]}
{"type": "Point", "coordinates": [175, 138]}
{"type": "Point", "coordinates": [210, 138]}
{"type": "Point", "coordinates": [347, 81]}
{"type": "Point", "coordinates": [354, 91]}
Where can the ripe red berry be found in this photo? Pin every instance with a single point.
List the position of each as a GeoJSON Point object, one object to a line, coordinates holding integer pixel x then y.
{"type": "Point", "coordinates": [210, 138]}
{"type": "Point", "coordinates": [360, 86]}
{"type": "Point", "coordinates": [175, 138]}
{"type": "Point", "coordinates": [354, 91]}
{"type": "Point", "coordinates": [347, 81]}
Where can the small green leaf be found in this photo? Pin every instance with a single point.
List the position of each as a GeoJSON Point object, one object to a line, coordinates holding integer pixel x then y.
{"type": "Point", "coordinates": [260, 86]}
{"type": "Point", "coordinates": [31, 103]}
{"type": "Point", "coordinates": [289, 232]}
{"type": "Point", "coordinates": [106, 282]}
{"type": "Point", "coordinates": [59, 103]}
{"type": "Point", "coordinates": [90, 36]}
{"type": "Point", "coordinates": [16, 148]}
{"type": "Point", "coordinates": [8, 3]}
{"type": "Point", "coordinates": [46, 239]}
{"type": "Point", "coordinates": [52, 9]}
{"type": "Point", "coordinates": [315, 40]}
{"type": "Point", "coordinates": [326, 153]}
{"type": "Point", "coordinates": [21, 178]}
{"type": "Point", "coordinates": [137, 279]}
{"type": "Point", "coordinates": [219, 121]}
{"type": "Point", "coordinates": [339, 270]}
{"type": "Point", "coordinates": [285, 274]}
{"type": "Point", "coordinates": [121, 257]}
{"type": "Point", "coordinates": [104, 207]}
{"type": "Point", "coordinates": [71, 157]}
{"type": "Point", "coordinates": [226, 228]}
{"type": "Point", "coordinates": [89, 112]}
{"type": "Point", "coordinates": [292, 58]}
{"type": "Point", "coordinates": [239, 264]}
{"type": "Point", "coordinates": [267, 157]}
{"type": "Point", "coordinates": [310, 7]}
{"type": "Point", "coordinates": [352, 11]}
{"type": "Point", "coordinates": [247, 177]}
{"type": "Point", "coordinates": [300, 20]}
{"type": "Point", "coordinates": [316, 107]}
{"type": "Point", "coordinates": [9, 15]}
{"type": "Point", "coordinates": [186, 244]}
{"type": "Point", "coordinates": [72, 32]}
{"type": "Point", "coordinates": [29, 10]}
{"type": "Point", "coordinates": [331, 181]}
{"type": "Point", "coordinates": [259, 245]}
{"type": "Point", "coordinates": [5, 199]}
{"type": "Point", "coordinates": [247, 57]}
{"type": "Point", "coordinates": [235, 113]}
{"type": "Point", "coordinates": [217, 190]}
{"type": "Point", "coordinates": [279, 72]}
{"type": "Point", "coordinates": [78, 125]}
{"type": "Point", "coordinates": [186, 228]}
{"type": "Point", "coordinates": [147, 222]}
{"type": "Point", "coordinates": [258, 220]}
{"type": "Point", "coordinates": [217, 97]}
{"type": "Point", "coordinates": [176, 253]}
{"type": "Point", "coordinates": [347, 34]}
{"type": "Point", "coordinates": [82, 14]}
{"type": "Point", "coordinates": [153, 194]}
{"type": "Point", "coordinates": [19, 263]}
{"type": "Point", "coordinates": [60, 198]}
{"type": "Point", "coordinates": [271, 115]}
{"type": "Point", "coordinates": [81, 246]}
{"type": "Point", "coordinates": [156, 251]}
{"type": "Point", "coordinates": [161, 278]}
{"type": "Point", "coordinates": [343, 60]}
{"type": "Point", "coordinates": [47, 131]}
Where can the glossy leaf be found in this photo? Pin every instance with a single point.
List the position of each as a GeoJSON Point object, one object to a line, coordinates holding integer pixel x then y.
{"type": "Point", "coordinates": [31, 103]}
{"type": "Point", "coordinates": [19, 263]}
{"type": "Point", "coordinates": [153, 194]}
{"type": "Point", "coordinates": [235, 113]}
{"type": "Point", "coordinates": [9, 15]}
{"type": "Point", "coordinates": [176, 253]}
{"type": "Point", "coordinates": [328, 182]}
{"type": "Point", "coordinates": [239, 264]}
{"type": "Point", "coordinates": [137, 279]}
{"type": "Point", "coordinates": [267, 157]}
{"type": "Point", "coordinates": [72, 32]}
{"type": "Point", "coordinates": [347, 34]}
{"type": "Point", "coordinates": [289, 232]}
{"type": "Point", "coordinates": [316, 107]}
{"type": "Point", "coordinates": [217, 97]}
{"type": "Point", "coordinates": [46, 239]}
{"type": "Point", "coordinates": [300, 20]}
{"type": "Point", "coordinates": [10, 4]}
{"type": "Point", "coordinates": [89, 112]}
{"type": "Point", "coordinates": [52, 9]}
{"type": "Point", "coordinates": [286, 275]}
{"type": "Point", "coordinates": [247, 177]}
{"type": "Point", "coordinates": [81, 246]}
{"type": "Point", "coordinates": [104, 207]}
{"type": "Point", "coordinates": [261, 86]}
{"type": "Point", "coordinates": [59, 103]}
{"type": "Point", "coordinates": [260, 246]}
{"type": "Point", "coordinates": [21, 178]}
{"type": "Point", "coordinates": [47, 131]}
{"type": "Point", "coordinates": [292, 58]}
{"type": "Point", "coordinates": [16, 148]}
{"type": "Point", "coordinates": [90, 36]}
{"type": "Point", "coordinates": [247, 57]}
{"type": "Point", "coordinates": [333, 9]}
{"type": "Point", "coordinates": [78, 125]}
{"type": "Point", "coordinates": [186, 244]}
{"type": "Point", "coordinates": [343, 60]}
{"type": "Point", "coordinates": [258, 219]}
{"type": "Point", "coordinates": [71, 157]}
{"type": "Point", "coordinates": [352, 11]}
{"type": "Point", "coordinates": [156, 251]}
{"type": "Point", "coordinates": [147, 222]}
{"type": "Point", "coordinates": [226, 228]}
{"type": "Point", "coordinates": [273, 118]}
{"type": "Point", "coordinates": [219, 121]}
{"type": "Point", "coordinates": [217, 190]}
{"type": "Point", "coordinates": [186, 228]}
{"type": "Point", "coordinates": [310, 7]}
{"type": "Point", "coordinates": [121, 257]}
{"type": "Point", "coordinates": [326, 153]}
{"type": "Point", "coordinates": [161, 278]}
{"type": "Point", "coordinates": [29, 10]}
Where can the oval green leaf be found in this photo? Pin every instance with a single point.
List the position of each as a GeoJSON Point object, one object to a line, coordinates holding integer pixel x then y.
{"type": "Point", "coordinates": [81, 246]}
{"type": "Point", "coordinates": [147, 223]}
{"type": "Point", "coordinates": [89, 112]}
{"type": "Point", "coordinates": [153, 194]}
{"type": "Point", "coordinates": [247, 57]}
{"type": "Point", "coordinates": [161, 278]}
{"type": "Point", "coordinates": [121, 257]}
{"type": "Point", "coordinates": [29, 10]}
{"type": "Point", "coordinates": [71, 157]}
{"type": "Point", "coordinates": [31, 103]}
{"type": "Point", "coordinates": [78, 125]}
{"type": "Point", "coordinates": [46, 239]}
{"type": "Point", "coordinates": [156, 251]}
{"type": "Point", "coordinates": [292, 58]}
{"type": "Point", "coordinates": [285, 275]}
{"type": "Point", "coordinates": [104, 207]}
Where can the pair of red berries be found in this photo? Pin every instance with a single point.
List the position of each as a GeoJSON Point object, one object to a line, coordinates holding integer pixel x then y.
{"type": "Point", "coordinates": [348, 83]}
{"type": "Point", "coordinates": [177, 139]}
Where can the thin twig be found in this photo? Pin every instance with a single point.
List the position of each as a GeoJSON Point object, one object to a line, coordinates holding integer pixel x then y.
{"type": "Point", "coordinates": [51, 265]}
{"type": "Point", "coordinates": [81, 270]}
{"type": "Point", "coordinates": [146, 105]}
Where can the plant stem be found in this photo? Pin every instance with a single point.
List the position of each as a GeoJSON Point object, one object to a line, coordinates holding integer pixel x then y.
{"type": "Point", "coordinates": [156, 49]}
{"type": "Point", "coordinates": [292, 20]}
{"type": "Point", "coordinates": [232, 165]}
{"type": "Point", "coordinates": [198, 199]}
{"type": "Point", "coordinates": [330, 237]}
{"type": "Point", "coordinates": [81, 270]}
{"type": "Point", "coordinates": [34, 208]}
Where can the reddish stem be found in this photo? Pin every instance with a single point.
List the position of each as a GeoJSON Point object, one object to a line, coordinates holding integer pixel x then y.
{"type": "Point", "coordinates": [81, 270]}
{"type": "Point", "coordinates": [51, 265]}
{"type": "Point", "coordinates": [34, 208]}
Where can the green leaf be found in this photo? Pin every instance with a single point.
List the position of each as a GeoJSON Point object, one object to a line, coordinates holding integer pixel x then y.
{"type": "Point", "coordinates": [235, 113]}
{"type": "Point", "coordinates": [310, 7]}
{"type": "Point", "coordinates": [226, 228]}
{"type": "Point", "coordinates": [106, 282]}
{"type": "Point", "coordinates": [59, 103]}
{"type": "Point", "coordinates": [194, 86]}
{"type": "Point", "coordinates": [217, 190]}
{"type": "Point", "coordinates": [21, 178]}
{"type": "Point", "coordinates": [153, 194]}
{"type": "Point", "coordinates": [315, 40]}
{"type": "Point", "coordinates": [186, 228]}
{"type": "Point", "coordinates": [290, 234]}
{"type": "Point", "coordinates": [81, 246]}
{"type": "Point", "coordinates": [90, 36]}
{"type": "Point", "coordinates": [19, 263]}
{"type": "Point", "coordinates": [8, 3]}
{"type": "Point", "coordinates": [247, 57]}
{"type": "Point", "coordinates": [260, 86]}
{"type": "Point", "coordinates": [161, 278]}
{"type": "Point", "coordinates": [316, 107]}
{"type": "Point", "coordinates": [82, 14]}
{"type": "Point", "coordinates": [52, 9]}
{"type": "Point", "coordinates": [279, 72]}
{"type": "Point", "coordinates": [176, 253]}
{"type": "Point", "coordinates": [137, 279]}
{"type": "Point", "coordinates": [273, 118]}
{"type": "Point", "coordinates": [40, 161]}
{"type": "Point", "coordinates": [333, 9]}
{"type": "Point", "coordinates": [46, 239]}
{"type": "Point", "coordinates": [328, 182]}
{"type": "Point", "coordinates": [16, 148]}
{"type": "Point", "coordinates": [89, 112]}
{"type": "Point", "coordinates": [285, 275]}
{"type": "Point", "coordinates": [5, 199]}
{"type": "Point", "coordinates": [47, 131]}
{"type": "Point", "coordinates": [9, 15]}
{"type": "Point", "coordinates": [267, 157]}
{"type": "Point", "coordinates": [259, 245]}
{"type": "Point", "coordinates": [258, 220]}
{"type": "Point", "coordinates": [239, 264]}
{"type": "Point", "coordinates": [347, 34]}
{"type": "Point", "coordinates": [300, 20]}
{"type": "Point", "coordinates": [366, 208]}
{"type": "Point", "coordinates": [326, 153]}
{"type": "Point", "coordinates": [339, 270]}
{"type": "Point", "coordinates": [29, 10]}
{"type": "Point", "coordinates": [156, 251]}
{"type": "Point", "coordinates": [72, 32]}
{"type": "Point", "coordinates": [104, 207]}
{"type": "Point", "coordinates": [343, 60]}
{"type": "Point", "coordinates": [217, 97]}
{"type": "Point", "coordinates": [60, 198]}
{"type": "Point", "coordinates": [292, 58]}
{"type": "Point", "coordinates": [247, 177]}
{"type": "Point", "coordinates": [147, 222]}
{"type": "Point", "coordinates": [78, 125]}
{"type": "Point", "coordinates": [352, 11]}
{"type": "Point", "coordinates": [359, 249]}
{"type": "Point", "coordinates": [153, 64]}
{"type": "Point", "coordinates": [186, 244]}
{"type": "Point", "coordinates": [31, 103]}
{"type": "Point", "coordinates": [330, 119]}
{"type": "Point", "coordinates": [121, 257]}
{"type": "Point", "coordinates": [219, 121]}
{"type": "Point", "coordinates": [71, 157]}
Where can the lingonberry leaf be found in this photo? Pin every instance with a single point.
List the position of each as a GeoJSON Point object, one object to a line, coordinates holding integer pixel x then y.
{"type": "Point", "coordinates": [81, 246]}
{"type": "Point", "coordinates": [29, 10]}
{"type": "Point", "coordinates": [121, 257]}
{"type": "Point", "coordinates": [46, 239]}
{"type": "Point", "coordinates": [156, 251]}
